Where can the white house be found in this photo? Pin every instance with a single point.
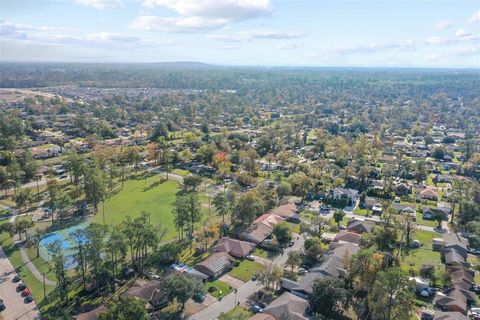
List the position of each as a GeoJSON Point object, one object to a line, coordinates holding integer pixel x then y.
{"type": "Point", "coordinates": [344, 193]}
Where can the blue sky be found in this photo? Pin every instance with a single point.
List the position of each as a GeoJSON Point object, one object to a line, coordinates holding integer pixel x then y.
{"type": "Point", "coordinates": [364, 33]}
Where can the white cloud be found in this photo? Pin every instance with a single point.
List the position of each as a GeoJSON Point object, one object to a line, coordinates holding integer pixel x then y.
{"type": "Point", "coordinates": [435, 40]}
{"type": "Point", "coordinates": [288, 45]}
{"type": "Point", "coordinates": [443, 24]}
{"type": "Point", "coordinates": [377, 47]}
{"type": "Point", "coordinates": [61, 36]}
{"type": "Point", "coordinates": [462, 33]}
{"type": "Point", "coordinates": [246, 36]}
{"type": "Point", "coordinates": [267, 34]}
{"type": "Point", "coordinates": [201, 15]}
{"type": "Point", "coordinates": [168, 24]}
{"type": "Point", "coordinates": [466, 51]}
{"type": "Point", "coordinates": [101, 4]}
{"type": "Point", "coordinates": [231, 10]}
{"type": "Point", "coordinates": [475, 17]}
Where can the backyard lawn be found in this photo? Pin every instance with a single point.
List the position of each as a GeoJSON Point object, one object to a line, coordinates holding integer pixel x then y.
{"type": "Point", "coordinates": [222, 289]}
{"type": "Point", "coordinates": [420, 220]}
{"type": "Point", "coordinates": [245, 270]}
{"type": "Point", "coordinates": [150, 195]}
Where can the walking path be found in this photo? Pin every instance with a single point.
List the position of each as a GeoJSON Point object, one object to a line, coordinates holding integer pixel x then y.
{"type": "Point", "coordinates": [36, 273]}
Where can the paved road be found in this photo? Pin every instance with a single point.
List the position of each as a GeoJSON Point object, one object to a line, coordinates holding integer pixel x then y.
{"type": "Point", "coordinates": [15, 306]}
{"type": "Point", "coordinates": [227, 303]}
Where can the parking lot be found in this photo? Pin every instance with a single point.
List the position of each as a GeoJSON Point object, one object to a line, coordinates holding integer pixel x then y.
{"type": "Point", "coordinates": [16, 308]}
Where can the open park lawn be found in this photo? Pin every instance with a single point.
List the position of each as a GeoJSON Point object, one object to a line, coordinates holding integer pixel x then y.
{"type": "Point", "coordinates": [152, 195]}
{"type": "Point", "coordinates": [245, 270]}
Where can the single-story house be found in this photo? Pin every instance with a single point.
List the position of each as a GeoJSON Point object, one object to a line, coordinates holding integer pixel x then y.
{"type": "Point", "coordinates": [452, 257]}
{"type": "Point", "coordinates": [262, 316]}
{"type": "Point", "coordinates": [360, 226]}
{"type": "Point", "coordinates": [457, 242]}
{"type": "Point", "coordinates": [234, 247]}
{"type": "Point", "coordinates": [347, 236]}
{"type": "Point", "coordinates": [440, 315]}
{"type": "Point", "coordinates": [150, 291]}
{"type": "Point", "coordinates": [287, 211]}
{"type": "Point", "coordinates": [457, 300]}
{"type": "Point", "coordinates": [332, 265]}
{"type": "Point", "coordinates": [93, 314]}
{"type": "Point", "coordinates": [403, 208]}
{"type": "Point", "coordinates": [269, 219]}
{"type": "Point", "coordinates": [257, 232]}
{"type": "Point", "coordinates": [442, 178]}
{"type": "Point", "coordinates": [428, 194]}
{"type": "Point", "coordinates": [216, 264]}
{"type": "Point", "coordinates": [430, 213]}
{"type": "Point", "coordinates": [402, 189]}
{"type": "Point", "coordinates": [288, 306]}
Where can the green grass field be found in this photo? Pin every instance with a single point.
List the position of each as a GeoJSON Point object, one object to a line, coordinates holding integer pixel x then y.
{"type": "Point", "coordinates": [245, 270]}
{"type": "Point", "coordinates": [238, 313]}
{"type": "Point", "coordinates": [420, 220]}
{"type": "Point", "coordinates": [222, 289]}
{"type": "Point", "coordinates": [150, 195]}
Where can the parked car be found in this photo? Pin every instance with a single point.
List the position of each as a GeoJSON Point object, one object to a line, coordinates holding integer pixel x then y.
{"type": "Point", "coordinates": [249, 257]}
{"type": "Point", "coordinates": [28, 299]}
{"type": "Point", "coordinates": [26, 292]}
{"type": "Point", "coordinates": [16, 278]}
{"type": "Point", "coordinates": [416, 244]}
{"type": "Point", "coordinates": [21, 287]}
{"type": "Point", "coordinates": [256, 309]}
{"type": "Point", "coordinates": [199, 297]}
{"type": "Point", "coordinates": [291, 243]}
{"type": "Point", "coordinates": [152, 276]}
{"type": "Point", "coordinates": [2, 305]}
{"type": "Point", "coordinates": [475, 289]}
{"type": "Point", "coordinates": [426, 316]}
{"type": "Point", "coordinates": [302, 271]}
{"type": "Point", "coordinates": [474, 251]}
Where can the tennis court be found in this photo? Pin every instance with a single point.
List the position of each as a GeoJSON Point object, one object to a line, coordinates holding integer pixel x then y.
{"type": "Point", "coordinates": [67, 239]}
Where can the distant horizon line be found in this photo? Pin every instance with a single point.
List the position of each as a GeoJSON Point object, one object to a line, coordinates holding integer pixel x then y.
{"type": "Point", "coordinates": [206, 65]}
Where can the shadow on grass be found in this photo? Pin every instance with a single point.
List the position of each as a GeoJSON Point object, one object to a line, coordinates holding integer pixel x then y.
{"type": "Point", "coordinates": [154, 184]}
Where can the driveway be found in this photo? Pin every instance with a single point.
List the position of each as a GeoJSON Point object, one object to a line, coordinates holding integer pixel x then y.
{"type": "Point", "coordinates": [231, 281]}
{"type": "Point", "coordinates": [281, 260]}
{"type": "Point", "coordinates": [228, 302]}
{"type": "Point", "coordinates": [15, 307]}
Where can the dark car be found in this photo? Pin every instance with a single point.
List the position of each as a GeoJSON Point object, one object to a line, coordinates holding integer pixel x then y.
{"type": "Point", "coordinates": [128, 273]}
{"type": "Point", "coordinates": [2, 305]}
{"type": "Point", "coordinates": [28, 299]}
{"type": "Point", "coordinates": [21, 287]}
{"type": "Point", "coordinates": [474, 251]}
{"type": "Point", "coordinates": [16, 278]}
{"type": "Point", "coordinates": [426, 316]}
{"type": "Point", "coordinates": [199, 297]}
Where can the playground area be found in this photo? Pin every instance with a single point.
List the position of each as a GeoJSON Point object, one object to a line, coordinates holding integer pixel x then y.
{"type": "Point", "coordinates": [67, 240]}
